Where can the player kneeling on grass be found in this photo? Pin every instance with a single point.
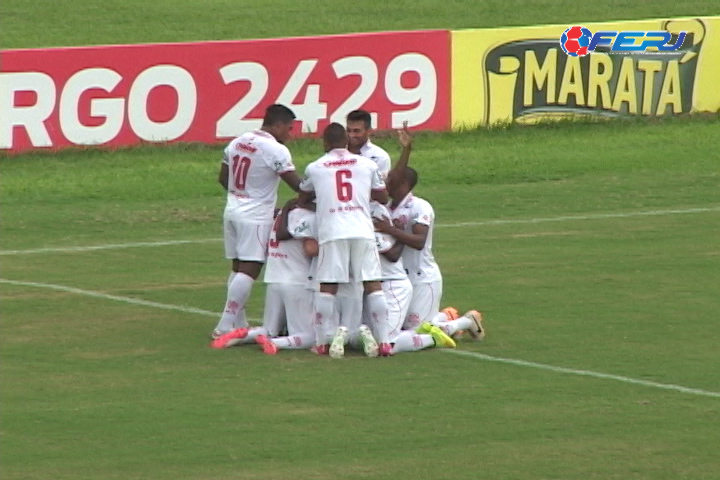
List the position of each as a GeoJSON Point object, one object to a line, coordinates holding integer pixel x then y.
{"type": "Point", "coordinates": [287, 296]}
{"type": "Point", "coordinates": [398, 293]}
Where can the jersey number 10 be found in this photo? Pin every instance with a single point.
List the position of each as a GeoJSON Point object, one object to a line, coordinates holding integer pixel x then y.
{"type": "Point", "coordinates": [240, 169]}
{"type": "Point", "coordinates": [344, 189]}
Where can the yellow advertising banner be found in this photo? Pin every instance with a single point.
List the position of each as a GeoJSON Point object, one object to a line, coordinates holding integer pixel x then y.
{"type": "Point", "coordinates": [523, 74]}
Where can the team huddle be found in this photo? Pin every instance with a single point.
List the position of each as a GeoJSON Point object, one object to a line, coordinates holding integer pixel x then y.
{"type": "Point", "coordinates": [348, 262]}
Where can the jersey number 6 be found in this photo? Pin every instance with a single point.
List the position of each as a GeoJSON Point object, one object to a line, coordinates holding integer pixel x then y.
{"type": "Point", "coordinates": [344, 189]}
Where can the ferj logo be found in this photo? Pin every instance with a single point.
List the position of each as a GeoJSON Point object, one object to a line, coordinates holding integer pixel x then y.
{"type": "Point", "coordinates": [578, 41]}
{"type": "Point", "coordinates": [530, 79]}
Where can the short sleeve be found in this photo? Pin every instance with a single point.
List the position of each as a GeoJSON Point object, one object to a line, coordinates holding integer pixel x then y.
{"type": "Point", "coordinates": [383, 163]}
{"type": "Point", "coordinates": [377, 181]}
{"type": "Point", "coordinates": [423, 214]}
{"type": "Point", "coordinates": [301, 224]}
{"type": "Point", "coordinates": [306, 185]}
{"type": "Point", "coordinates": [379, 211]}
{"type": "Point", "coordinates": [282, 162]}
{"type": "Point", "coordinates": [226, 156]}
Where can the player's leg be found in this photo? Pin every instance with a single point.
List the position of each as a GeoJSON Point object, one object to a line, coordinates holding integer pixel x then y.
{"type": "Point", "coordinates": [246, 245]}
{"type": "Point", "coordinates": [299, 308]}
{"type": "Point", "coordinates": [424, 305]}
{"type": "Point", "coordinates": [349, 304]}
{"type": "Point", "coordinates": [275, 311]}
{"type": "Point", "coordinates": [332, 269]}
{"type": "Point", "coordinates": [398, 294]}
{"type": "Point", "coordinates": [365, 265]}
{"type": "Point", "coordinates": [430, 336]}
{"type": "Point", "coordinates": [470, 322]}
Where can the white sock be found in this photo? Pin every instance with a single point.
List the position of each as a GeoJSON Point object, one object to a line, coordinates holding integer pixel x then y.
{"type": "Point", "coordinates": [234, 315]}
{"type": "Point", "coordinates": [377, 306]}
{"type": "Point", "coordinates": [251, 336]}
{"type": "Point", "coordinates": [230, 278]}
{"type": "Point", "coordinates": [462, 323]}
{"type": "Point", "coordinates": [409, 341]}
{"type": "Point", "coordinates": [301, 341]}
{"type": "Point", "coordinates": [325, 321]}
{"type": "Point", "coordinates": [440, 317]}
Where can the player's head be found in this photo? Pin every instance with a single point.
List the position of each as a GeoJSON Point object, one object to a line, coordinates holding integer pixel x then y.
{"type": "Point", "coordinates": [278, 121]}
{"type": "Point", "coordinates": [359, 125]}
{"type": "Point", "coordinates": [334, 136]}
{"type": "Point", "coordinates": [402, 183]}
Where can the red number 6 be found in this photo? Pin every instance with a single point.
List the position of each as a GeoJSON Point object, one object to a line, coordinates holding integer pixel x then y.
{"type": "Point", "coordinates": [344, 189]}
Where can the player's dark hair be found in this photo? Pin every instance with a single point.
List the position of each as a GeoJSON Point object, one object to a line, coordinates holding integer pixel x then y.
{"type": "Point", "coordinates": [360, 116]}
{"type": "Point", "coordinates": [277, 113]}
{"type": "Point", "coordinates": [335, 136]}
{"type": "Point", "coordinates": [410, 175]}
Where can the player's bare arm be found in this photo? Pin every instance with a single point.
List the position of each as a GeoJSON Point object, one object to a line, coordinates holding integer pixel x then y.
{"type": "Point", "coordinates": [405, 140]}
{"type": "Point", "coordinates": [305, 198]}
{"type": "Point", "coordinates": [292, 179]}
{"type": "Point", "coordinates": [380, 195]}
{"type": "Point", "coordinates": [282, 229]}
{"type": "Point", "coordinates": [395, 252]}
{"type": "Point", "coordinates": [415, 239]}
{"type": "Point", "coordinates": [223, 175]}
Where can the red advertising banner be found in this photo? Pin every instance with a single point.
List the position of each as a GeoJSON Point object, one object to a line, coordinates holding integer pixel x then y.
{"type": "Point", "coordinates": [203, 92]}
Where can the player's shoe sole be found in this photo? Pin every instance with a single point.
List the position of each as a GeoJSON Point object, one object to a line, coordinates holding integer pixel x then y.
{"type": "Point", "coordinates": [337, 347]}
{"type": "Point", "coordinates": [226, 340]}
{"type": "Point", "coordinates": [267, 345]}
{"type": "Point", "coordinates": [369, 344]}
{"type": "Point", "coordinates": [476, 330]}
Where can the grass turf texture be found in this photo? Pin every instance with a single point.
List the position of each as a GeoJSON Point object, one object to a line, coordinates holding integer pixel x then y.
{"type": "Point", "coordinates": [93, 388]}
{"type": "Point", "coordinates": [47, 23]}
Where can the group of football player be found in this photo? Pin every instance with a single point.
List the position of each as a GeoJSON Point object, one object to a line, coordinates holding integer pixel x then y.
{"type": "Point", "coordinates": [348, 262]}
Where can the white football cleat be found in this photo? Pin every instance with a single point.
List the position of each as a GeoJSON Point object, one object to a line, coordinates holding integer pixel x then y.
{"type": "Point", "coordinates": [337, 347]}
{"type": "Point", "coordinates": [476, 330]}
{"type": "Point", "coordinates": [370, 345]}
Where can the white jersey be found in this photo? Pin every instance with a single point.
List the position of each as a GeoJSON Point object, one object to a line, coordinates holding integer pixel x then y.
{"type": "Point", "coordinates": [342, 183]}
{"type": "Point", "coordinates": [306, 227]}
{"type": "Point", "coordinates": [378, 155]}
{"type": "Point", "coordinates": [420, 265]}
{"type": "Point", "coordinates": [286, 260]}
{"type": "Point", "coordinates": [384, 242]}
{"type": "Point", "coordinates": [255, 162]}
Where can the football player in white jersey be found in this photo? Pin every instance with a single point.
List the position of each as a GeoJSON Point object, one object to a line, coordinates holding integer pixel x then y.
{"type": "Point", "coordinates": [412, 224]}
{"type": "Point", "coordinates": [251, 170]}
{"type": "Point", "coordinates": [359, 128]}
{"type": "Point", "coordinates": [287, 298]}
{"type": "Point", "coordinates": [398, 292]}
{"type": "Point", "coordinates": [344, 184]}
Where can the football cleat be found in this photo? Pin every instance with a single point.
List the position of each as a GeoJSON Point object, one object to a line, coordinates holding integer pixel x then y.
{"type": "Point", "coordinates": [441, 338]}
{"type": "Point", "coordinates": [267, 345]}
{"type": "Point", "coordinates": [424, 327]}
{"type": "Point", "coordinates": [226, 340]}
{"type": "Point", "coordinates": [385, 350]}
{"type": "Point", "coordinates": [369, 344]}
{"type": "Point", "coordinates": [476, 330]}
{"type": "Point", "coordinates": [320, 349]}
{"type": "Point", "coordinates": [451, 313]}
{"type": "Point", "coordinates": [337, 347]}
{"type": "Point", "coordinates": [217, 333]}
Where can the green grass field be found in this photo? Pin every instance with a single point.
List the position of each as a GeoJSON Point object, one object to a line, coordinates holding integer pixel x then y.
{"type": "Point", "coordinates": [591, 248]}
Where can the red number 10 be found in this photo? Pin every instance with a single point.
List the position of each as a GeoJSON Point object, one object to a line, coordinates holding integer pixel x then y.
{"type": "Point", "coordinates": [344, 189]}
{"type": "Point", "coordinates": [240, 168]}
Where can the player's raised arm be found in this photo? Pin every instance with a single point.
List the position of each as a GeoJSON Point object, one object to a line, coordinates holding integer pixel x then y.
{"type": "Point", "coordinates": [405, 140]}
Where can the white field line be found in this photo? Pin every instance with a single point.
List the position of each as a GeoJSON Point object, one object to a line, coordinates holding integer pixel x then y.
{"type": "Point", "coordinates": [117, 298]}
{"type": "Point", "coordinates": [90, 248]}
{"type": "Point", "coordinates": [584, 373]}
{"type": "Point", "coordinates": [481, 356]}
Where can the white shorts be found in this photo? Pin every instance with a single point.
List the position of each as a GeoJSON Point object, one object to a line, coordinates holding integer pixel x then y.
{"type": "Point", "coordinates": [288, 303]}
{"type": "Point", "coordinates": [425, 303]}
{"type": "Point", "coordinates": [398, 294]}
{"type": "Point", "coordinates": [338, 260]}
{"type": "Point", "coordinates": [246, 241]}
